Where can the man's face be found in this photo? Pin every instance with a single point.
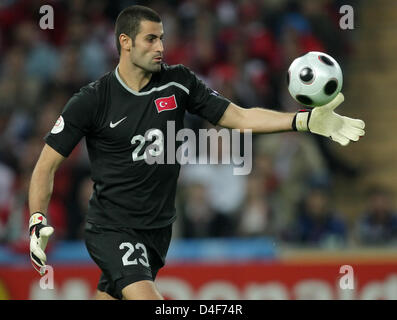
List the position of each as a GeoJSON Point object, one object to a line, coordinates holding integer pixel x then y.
{"type": "Point", "coordinates": [147, 49]}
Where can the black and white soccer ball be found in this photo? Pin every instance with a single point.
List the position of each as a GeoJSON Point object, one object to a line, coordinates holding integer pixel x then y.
{"type": "Point", "coordinates": [314, 79]}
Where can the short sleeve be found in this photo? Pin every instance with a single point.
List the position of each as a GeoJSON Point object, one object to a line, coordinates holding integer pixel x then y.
{"type": "Point", "coordinates": [204, 101]}
{"type": "Point", "coordinates": [75, 121]}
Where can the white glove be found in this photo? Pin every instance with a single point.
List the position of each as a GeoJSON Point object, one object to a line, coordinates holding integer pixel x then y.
{"type": "Point", "coordinates": [324, 121]}
{"type": "Point", "coordinates": [39, 234]}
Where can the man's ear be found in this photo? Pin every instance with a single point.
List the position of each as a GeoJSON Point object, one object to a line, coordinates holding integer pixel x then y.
{"type": "Point", "coordinates": [125, 42]}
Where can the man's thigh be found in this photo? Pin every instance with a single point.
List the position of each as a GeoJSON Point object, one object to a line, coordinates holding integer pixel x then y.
{"type": "Point", "coordinates": [101, 295]}
{"type": "Point", "coordinates": [141, 290]}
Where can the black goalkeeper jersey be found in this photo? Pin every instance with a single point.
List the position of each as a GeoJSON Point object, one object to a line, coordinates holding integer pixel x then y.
{"type": "Point", "coordinates": [114, 119]}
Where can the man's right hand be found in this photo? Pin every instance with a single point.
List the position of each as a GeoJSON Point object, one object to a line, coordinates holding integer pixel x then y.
{"type": "Point", "coordinates": [39, 234]}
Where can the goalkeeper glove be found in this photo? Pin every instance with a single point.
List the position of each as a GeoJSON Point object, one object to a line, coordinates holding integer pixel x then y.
{"type": "Point", "coordinates": [324, 121]}
{"type": "Point", "coordinates": [39, 234]}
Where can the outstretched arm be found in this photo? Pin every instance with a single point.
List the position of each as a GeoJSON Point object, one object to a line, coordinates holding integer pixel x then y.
{"type": "Point", "coordinates": [257, 119]}
{"type": "Point", "coordinates": [319, 120]}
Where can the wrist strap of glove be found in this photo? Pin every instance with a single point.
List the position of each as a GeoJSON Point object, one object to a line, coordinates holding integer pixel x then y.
{"type": "Point", "coordinates": [301, 120]}
{"type": "Point", "coordinates": [36, 219]}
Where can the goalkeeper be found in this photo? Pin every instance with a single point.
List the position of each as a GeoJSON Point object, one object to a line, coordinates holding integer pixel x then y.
{"type": "Point", "coordinates": [132, 208]}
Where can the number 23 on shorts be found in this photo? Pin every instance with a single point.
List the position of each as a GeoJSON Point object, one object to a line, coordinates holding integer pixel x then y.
{"type": "Point", "coordinates": [143, 260]}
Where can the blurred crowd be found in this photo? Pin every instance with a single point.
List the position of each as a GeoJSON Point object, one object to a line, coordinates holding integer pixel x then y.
{"type": "Point", "coordinates": [242, 49]}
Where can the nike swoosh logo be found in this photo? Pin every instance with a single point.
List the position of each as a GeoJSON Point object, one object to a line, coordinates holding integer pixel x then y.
{"type": "Point", "coordinates": [112, 125]}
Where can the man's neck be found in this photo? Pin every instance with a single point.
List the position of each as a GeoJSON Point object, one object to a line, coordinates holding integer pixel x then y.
{"type": "Point", "coordinates": [134, 77]}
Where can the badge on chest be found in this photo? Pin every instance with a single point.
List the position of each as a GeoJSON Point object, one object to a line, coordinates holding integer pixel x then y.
{"type": "Point", "coordinates": [165, 103]}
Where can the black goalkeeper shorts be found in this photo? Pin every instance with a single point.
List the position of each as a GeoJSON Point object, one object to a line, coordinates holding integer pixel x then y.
{"type": "Point", "coordinates": [126, 255]}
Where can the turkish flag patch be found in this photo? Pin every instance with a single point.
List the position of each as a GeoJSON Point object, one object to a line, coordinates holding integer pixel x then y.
{"type": "Point", "coordinates": [165, 103]}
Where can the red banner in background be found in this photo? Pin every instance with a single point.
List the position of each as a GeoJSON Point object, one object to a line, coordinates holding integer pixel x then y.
{"type": "Point", "coordinates": [251, 280]}
{"type": "Point", "coordinates": [278, 281]}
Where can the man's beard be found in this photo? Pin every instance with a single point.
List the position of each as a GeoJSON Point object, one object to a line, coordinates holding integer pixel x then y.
{"type": "Point", "coordinates": [157, 67]}
{"type": "Point", "coordinates": [149, 68]}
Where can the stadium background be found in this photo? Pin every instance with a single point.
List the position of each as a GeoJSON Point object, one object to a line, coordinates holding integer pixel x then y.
{"type": "Point", "coordinates": [308, 208]}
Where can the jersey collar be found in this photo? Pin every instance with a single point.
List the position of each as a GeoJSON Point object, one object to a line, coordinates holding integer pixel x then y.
{"type": "Point", "coordinates": [137, 93]}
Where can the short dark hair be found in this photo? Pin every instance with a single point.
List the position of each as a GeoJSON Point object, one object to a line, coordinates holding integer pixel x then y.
{"type": "Point", "coordinates": [129, 20]}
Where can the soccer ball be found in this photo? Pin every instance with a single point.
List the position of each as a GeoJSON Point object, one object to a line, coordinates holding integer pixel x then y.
{"type": "Point", "coordinates": [314, 79]}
